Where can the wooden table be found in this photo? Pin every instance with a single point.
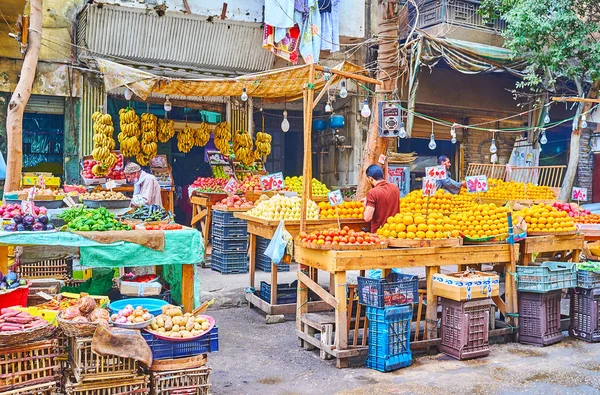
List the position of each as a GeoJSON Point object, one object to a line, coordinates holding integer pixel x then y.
{"type": "Point", "coordinates": [569, 246]}
{"type": "Point", "coordinates": [202, 212]}
{"type": "Point", "coordinates": [266, 229]}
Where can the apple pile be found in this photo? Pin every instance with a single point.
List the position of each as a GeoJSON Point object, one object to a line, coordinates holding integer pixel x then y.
{"type": "Point", "coordinates": [234, 201]}
{"type": "Point", "coordinates": [209, 184]}
{"type": "Point", "coordinates": [337, 237]}
{"type": "Point", "coordinates": [117, 171]}
{"type": "Point", "coordinates": [250, 183]}
{"type": "Point", "coordinates": [572, 209]}
{"type": "Point", "coordinates": [8, 211]}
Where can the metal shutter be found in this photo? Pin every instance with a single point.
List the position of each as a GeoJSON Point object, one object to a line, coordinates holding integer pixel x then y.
{"type": "Point", "coordinates": [46, 105]}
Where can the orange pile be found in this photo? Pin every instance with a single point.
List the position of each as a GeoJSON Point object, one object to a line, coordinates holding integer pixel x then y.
{"type": "Point", "coordinates": [544, 218]}
{"type": "Point", "coordinates": [418, 227]}
{"type": "Point", "coordinates": [345, 210]}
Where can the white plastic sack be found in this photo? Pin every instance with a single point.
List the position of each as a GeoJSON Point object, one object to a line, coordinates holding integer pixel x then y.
{"type": "Point", "coordinates": [276, 248]}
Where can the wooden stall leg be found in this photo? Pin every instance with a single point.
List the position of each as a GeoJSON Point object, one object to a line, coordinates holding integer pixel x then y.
{"type": "Point", "coordinates": [341, 334]}
{"type": "Point", "coordinates": [4, 259]}
{"type": "Point", "coordinates": [576, 256]}
{"type": "Point", "coordinates": [310, 331]}
{"type": "Point", "coordinates": [208, 224]}
{"type": "Point", "coordinates": [252, 258]}
{"type": "Point", "coordinates": [350, 306]}
{"type": "Point", "coordinates": [301, 307]}
{"type": "Point", "coordinates": [274, 283]}
{"type": "Point", "coordinates": [332, 283]}
{"type": "Point", "coordinates": [187, 287]}
{"type": "Point", "coordinates": [327, 339]}
{"type": "Point", "coordinates": [431, 322]}
{"type": "Point", "coordinates": [419, 312]}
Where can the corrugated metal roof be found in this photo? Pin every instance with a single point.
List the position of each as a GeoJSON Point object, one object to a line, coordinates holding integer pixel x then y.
{"type": "Point", "coordinates": [173, 40]}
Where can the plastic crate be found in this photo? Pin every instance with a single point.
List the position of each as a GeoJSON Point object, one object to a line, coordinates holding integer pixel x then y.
{"type": "Point", "coordinates": [549, 276]}
{"type": "Point", "coordinates": [584, 313]}
{"type": "Point", "coordinates": [176, 382]}
{"type": "Point", "coordinates": [286, 293]}
{"type": "Point", "coordinates": [389, 337]}
{"type": "Point", "coordinates": [240, 245]}
{"type": "Point", "coordinates": [394, 290]}
{"type": "Point", "coordinates": [588, 279]}
{"type": "Point", "coordinates": [465, 328]}
{"type": "Point", "coordinates": [229, 263]}
{"type": "Point", "coordinates": [230, 231]}
{"type": "Point", "coordinates": [264, 264]}
{"type": "Point", "coordinates": [226, 218]}
{"type": "Point", "coordinates": [164, 349]}
{"type": "Point", "coordinates": [539, 318]}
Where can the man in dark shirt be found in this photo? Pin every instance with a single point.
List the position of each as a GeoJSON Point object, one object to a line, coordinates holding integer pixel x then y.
{"type": "Point", "coordinates": [448, 183]}
{"type": "Point", "coordinates": [382, 201]}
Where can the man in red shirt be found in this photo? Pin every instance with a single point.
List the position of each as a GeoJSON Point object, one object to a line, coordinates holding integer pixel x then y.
{"type": "Point", "coordinates": [382, 201]}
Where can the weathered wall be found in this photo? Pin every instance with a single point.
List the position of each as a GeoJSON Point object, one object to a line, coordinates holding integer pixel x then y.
{"type": "Point", "coordinates": [51, 78]}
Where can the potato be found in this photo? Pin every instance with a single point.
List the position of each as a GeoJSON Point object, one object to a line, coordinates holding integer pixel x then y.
{"type": "Point", "coordinates": [161, 330]}
{"type": "Point", "coordinates": [153, 324]}
{"type": "Point", "coordinates": [175, 328]}
{"type": "Point", "coordinates": [195, 332]}
{"type": "Point", "coordinates": [168, 324]}
{"type": "Point", "coordinates": [160, 321]}
{"type": "Point", "coordinates": [166, 308]}
{"type": "Point", "coordinates": [175, 334]}
{"type": "Point", "coordinates": [138, 319]}
{"type": "Point", "coordinates": [190, 324]}
{"type": "Point", "coordinates": [197, 327]}
{"type": "Point", "coordinates": [205, 326]}
{"type": "Point", "coordinates": [186, 334]}
{"type": "Point", "coordinates": [175, 311]}
{"type": "Point", "coordinates": [187, 315]}
{"type": "Point", "coordinates": [199, 319]}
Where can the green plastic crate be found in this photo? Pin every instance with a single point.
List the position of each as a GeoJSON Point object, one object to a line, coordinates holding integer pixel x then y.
{"type": "Point", "coordinates": [549, 276]}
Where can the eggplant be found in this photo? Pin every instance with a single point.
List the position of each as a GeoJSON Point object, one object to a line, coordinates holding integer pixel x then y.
{"type": "Point", "coordinates": [10, 277]}
{"type": "Point", "coordinates": [28, 220]}
{"type": "Point", "coordinates": [20, 227]}
{"type": "Point", "coordinates": [3, 286]}
{"type": "Point", "coordinates": [17, 219]}
{"type": "Point", "coordinates": [43, 219]}
{"type": "Point", "coordinates": [37, 226]}
{"type": "Point", "coordinates": [49, 227]}
{"type": "Point", "coordinates": [10, 228]}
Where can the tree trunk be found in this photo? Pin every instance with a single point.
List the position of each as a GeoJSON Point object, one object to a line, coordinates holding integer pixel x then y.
{"type": "Point", "coordinates": [574, 148]}
{"type": "Point", "coordinates": [19, 99]}
{"type": "Point", "coordinates": [388, 71]}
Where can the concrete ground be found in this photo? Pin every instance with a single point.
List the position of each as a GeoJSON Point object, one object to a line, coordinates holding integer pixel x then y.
{"type": "Point", "coordinates": [256, 358]}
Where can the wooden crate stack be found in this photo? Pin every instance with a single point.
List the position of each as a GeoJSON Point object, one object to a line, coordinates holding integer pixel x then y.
{"type": "Point", "coordinates": [29, 369]}
{"type": "Point", "coordinates": [187, 375]}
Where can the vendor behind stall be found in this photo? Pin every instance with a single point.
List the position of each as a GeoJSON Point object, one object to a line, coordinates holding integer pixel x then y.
{"type": "Point", "coordinates": [145, 186]}
{"type": "Point", "coordinates": [382, 201]}
{"type": "Point", "coordinates": [448, 183]}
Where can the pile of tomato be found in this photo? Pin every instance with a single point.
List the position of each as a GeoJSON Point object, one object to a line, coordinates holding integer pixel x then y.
{"type": "Point", "coordinates": [344, 236]}
{"type": "Point", "coordinates": [164, 227]}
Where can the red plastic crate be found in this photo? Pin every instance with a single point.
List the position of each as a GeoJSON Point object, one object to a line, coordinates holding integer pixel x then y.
{"type": "Point", "coordinates": [465, 328]}
{"type": "Point", "coordinates": [584, 313]}
{"type": "Point", "coordinates": [539, 318]}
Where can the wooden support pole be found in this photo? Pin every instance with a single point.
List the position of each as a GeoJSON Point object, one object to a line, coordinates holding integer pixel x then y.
{"type": "Point", "coordinates": [346, 74]}
{"type": "Point", "coordinates": [187, 287]}
{"type": "Point", "coordinates": [341, 334]}
{"type": "Point", "coordinates": [576, 99]}
{"type": "Point", "coordinates": [431, 327]}
{"type": "Point", "coordinates": [309, 94]}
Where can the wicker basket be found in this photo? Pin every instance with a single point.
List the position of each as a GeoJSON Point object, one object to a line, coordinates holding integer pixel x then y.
{"type": "Point", "coordinates": [23, 366]}
{"type": "Point", "coordinates": [89, 366]}
{"type": "Point", "coordinates": [77, 329]}
{"type": "Point", "coordinates": [27, 336]}
{"type": "Point", "coordinates": [186, 381]}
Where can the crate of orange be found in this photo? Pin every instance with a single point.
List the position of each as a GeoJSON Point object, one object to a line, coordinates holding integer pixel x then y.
{"type": "Point", "coordinates": [406, 230]}
{"type": "Point", "coordinates": [341, 239]}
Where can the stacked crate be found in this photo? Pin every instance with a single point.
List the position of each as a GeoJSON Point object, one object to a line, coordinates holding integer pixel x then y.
{"type": "Point", "coordinates": [464, 328]}
{"type": "Point", "coordinates": [585, 307]}
{"type": "Point", "coordinates": [32, 368]}
{"type": "Point", "coordinates": [229, 243]}
{"type": "Point", "coordinates": [540, 291]}
{"type": "Point", "coordinates": [389, 311]}
{"type": "Point", "coordinates": [263, 262]}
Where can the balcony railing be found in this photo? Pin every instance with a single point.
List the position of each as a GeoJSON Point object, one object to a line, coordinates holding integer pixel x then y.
{"type": "Point", "coordinates": [455, 12]}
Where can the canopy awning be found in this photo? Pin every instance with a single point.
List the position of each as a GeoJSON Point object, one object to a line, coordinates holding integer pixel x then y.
{"type": "Point", "coordinates": [280, 84]}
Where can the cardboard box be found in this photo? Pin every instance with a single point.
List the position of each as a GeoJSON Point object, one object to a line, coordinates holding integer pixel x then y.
{"type": "Point", "coordinates": [452, 286]}
{"type": "Point", "coordinates": [140, 289]}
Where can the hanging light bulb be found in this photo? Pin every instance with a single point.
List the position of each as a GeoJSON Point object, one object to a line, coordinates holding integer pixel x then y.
{"type": "Point", "coordinates": [402, 133]}
{"type": "Point", "coordinates": [285, 124]}
{"type": "Point", "coordinates": [328, 107]}
{"type": "Point", "coordinates": [128, 94]}
{"type": "Point", "coordinates": [493, 148]}
{"type": "Point", "coordinates": [167, 106]}
{"type": "Point", "coordinates": [453, 140]}
{"type": "Point", "coordinates": [244, 96]}
{"type": "Point", "coordinates": [343, 91]}
{"type": "Point", "coordinates": [543, 138]}
{"type": "Point", "coordinates": [365, 111]}
{"type": "Point", "coordinates": [584, 121]}
{"type": "Point", "coordinates": [453, 132]}
{"type": "Point", "coordinates": [432, 144]}
{"type": "Point", "coordinates": [547, 116]}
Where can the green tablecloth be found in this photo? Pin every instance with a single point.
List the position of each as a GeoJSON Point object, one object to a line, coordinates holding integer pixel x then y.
{"type": "Point", "coordinates": [181, 247]}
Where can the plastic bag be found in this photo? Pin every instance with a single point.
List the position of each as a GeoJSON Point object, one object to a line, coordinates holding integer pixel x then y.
{"type": "Point", "coordinates": [276, 248]}
{"type": "Point", "coordinates": [2, 167]}
{"type": "Point", "coordinates": [376, 273]}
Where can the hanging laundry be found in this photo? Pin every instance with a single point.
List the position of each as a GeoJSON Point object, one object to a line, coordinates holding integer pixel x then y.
{"type": "Point", "coordinates": [279, 13]}
{"type": "Point", "coordinates": [310, 42]}
{"type": "Point", "coordinates": [286, 48]}
{"type": "Point", "coordinates": [281, 32]}
{"type": "Point", "coordinates": [330, 25]}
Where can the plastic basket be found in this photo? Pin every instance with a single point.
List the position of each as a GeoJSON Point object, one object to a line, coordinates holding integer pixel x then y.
{"type": "Point", "coordinates": [584, 313]}
{"type": "Point", "coordinates": [178, 382]}
{"type": "Point", "coordinates": [230, 231]}
{"type": "Point", "coordinates": [389, 337]}
{"type": "Point", "coordinates": [226, 218]}
{"type": "Point", "coordinates": [588, 279]}
{"type": "Point", "coordinates": [465, 328]}
{"type": "Point", "coordinates": [240, 245]}
{"type": "Point", "coordinates": [539, 318]}
{"type": "Point", "coordinates": [164, 349]}
{"type": "Point", "coordinates": [396, 289]}
{"type": "Point", "coordinates": [229, 263]}
{"type": "Point", "coordinates": [15, 297]}
{"type": "Point", "coordinates": [549, 276]}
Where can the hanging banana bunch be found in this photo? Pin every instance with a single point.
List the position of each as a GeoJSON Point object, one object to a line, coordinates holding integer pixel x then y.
{"type": "Point", "coordinates": [103, 141]}
{"type": "Point", "coordinates": [130, 132]}
{"type": "Point", "coordinates": [185, 139]}
{"type": "Point", "coordinates": [263, 145]}
{"type": "Point", "coordinates": [148, 144]}
{"type": "Point", "coordinates": [202, 135]}
{"type": "Point", "coordinates": [242, 147]}
{"type": "Point", "coordinates": [142, 159]}
{"type": "Point", "coordinates": [222, 137]}
{"type": "Point", "coordinates": [166, 130]}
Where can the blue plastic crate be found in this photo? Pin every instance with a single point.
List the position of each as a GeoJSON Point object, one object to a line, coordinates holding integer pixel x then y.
{"type": "Point", "coordinates": [389, 337]}
{"type": "Point", "coordinates": [266, 267]}
{"type": "Point", "coordinates": [230, 231]}
{"type": "Point", "coordinates": [588, 279]}
{"type": "Point", "coordinates": [240, 245]}
{"type": "Point", "coordinates": [226, 218]}
{"type": "Point", "coordinates": [396, 289]}
{"type": "Point", "coordinates": [549, 276]}
{"type": "Point", "coordinates": [164, 349]}
{"type": "Point", "coordinates": [286, 293]}
{"type": "Point", "coordinates": [229, 263]}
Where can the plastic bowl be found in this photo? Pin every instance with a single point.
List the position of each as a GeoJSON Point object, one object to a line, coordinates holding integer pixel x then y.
{"type": "Point", "coordinates": [154, 306]}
